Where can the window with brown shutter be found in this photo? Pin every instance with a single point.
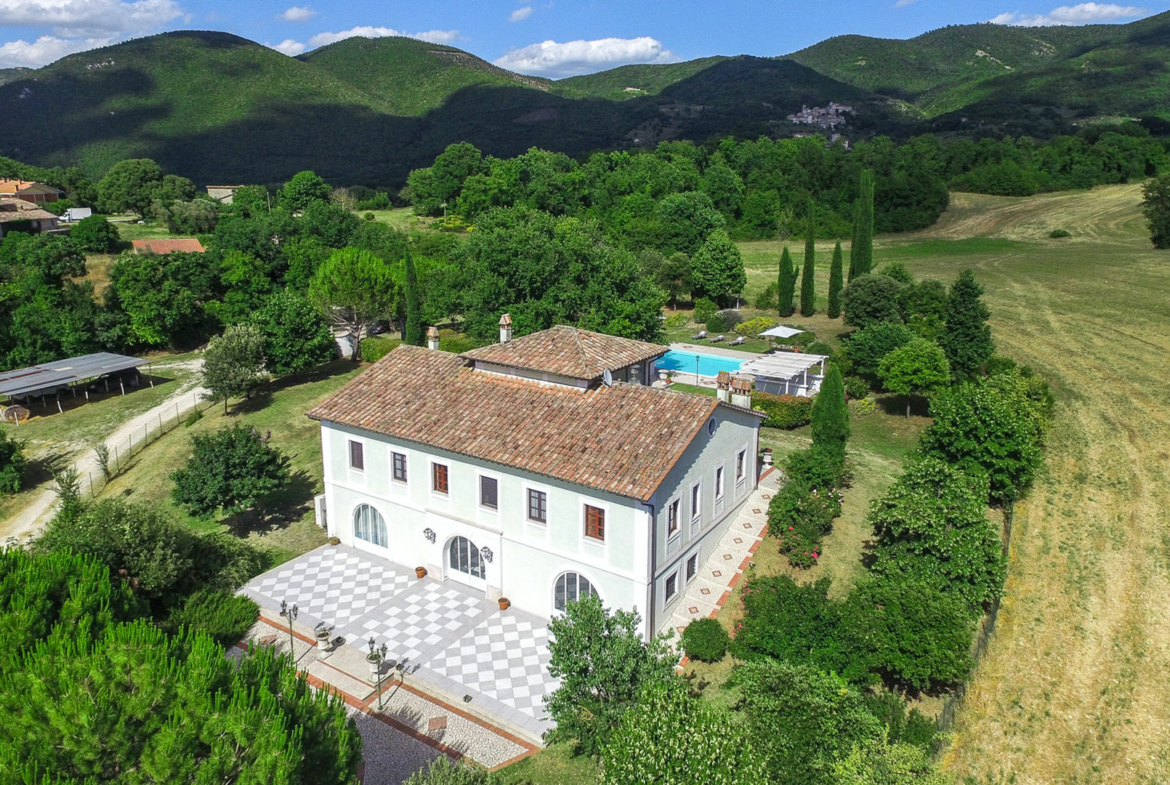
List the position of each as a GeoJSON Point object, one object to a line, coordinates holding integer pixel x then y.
{"type": "Point", "coordinates": [594, 523]}
{"type": "Point", "coordinates": [439, 478]}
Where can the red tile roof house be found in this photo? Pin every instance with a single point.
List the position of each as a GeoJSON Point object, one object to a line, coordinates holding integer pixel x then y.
{"type": "Point", "coordinates": [186, 245]}
{"type": "Point", "coordinates": [17, 215]}
{"type": "Point", "coordinates": [539, 469]}
{"type": "Point", "coordinates": [37, 193]}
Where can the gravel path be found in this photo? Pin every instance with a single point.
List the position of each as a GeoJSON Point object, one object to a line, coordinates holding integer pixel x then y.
{"type": "Point", "coordinates": [28, 522]}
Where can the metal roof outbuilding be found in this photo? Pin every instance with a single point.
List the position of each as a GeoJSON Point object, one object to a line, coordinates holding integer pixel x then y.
{"type": "Point", "coordinates": [63, 373]}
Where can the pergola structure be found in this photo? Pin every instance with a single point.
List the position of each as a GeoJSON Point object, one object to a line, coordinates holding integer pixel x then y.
{"type": "Point", "coordinates": [784, 373]}
{"type": "Point", "coordinates": [51, 379]}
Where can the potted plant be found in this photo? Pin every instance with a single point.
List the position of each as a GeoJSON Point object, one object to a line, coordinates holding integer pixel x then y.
{"type": "Point", "coordinates": [420, 572]}
{"type": "Point", "coordinates": [324, 638]}
{"type": "Point", "coordinates": [767, 456]}
{"type": "Point", "coordinates": [334, 541]}
{"type": "Point", "coordinates": [504, 603]}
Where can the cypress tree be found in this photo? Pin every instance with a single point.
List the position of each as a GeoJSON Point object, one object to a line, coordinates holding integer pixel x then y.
{"type": "Point", "coordinates": [787, 284]}
{"type": "Point", "coordinates": [808, 286]}
{"type": "Point", "coordinates": [861, 255]}
{"type": "Point", "coordinates": [412, 331]}
{"type": "Point", "coordinates": [836, 282]}
{"type": "Point", "coordinates": [830, 415]}
{"type": "Point", "coordinates": [966, 339]}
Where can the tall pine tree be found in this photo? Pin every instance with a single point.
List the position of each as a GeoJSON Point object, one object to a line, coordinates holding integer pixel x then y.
{"type": "Point", "coordinates": [412, 331]}
{"type": "Point", "coordinates": [966, 339]}
{"type": "Point", "coordinates": [830, 415]}
{"type": "Point", "coordinates": [836, 282]}
{"type": "Point", "coordinates": [861, 255]}
{"type": "Point", "coordinates": [808, 286]}
{"type": "Point", "coordinates": [787, 284]}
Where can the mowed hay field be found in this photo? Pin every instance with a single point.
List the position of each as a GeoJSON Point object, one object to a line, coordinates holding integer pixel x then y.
{"type": "Point", "coordinates": [1075, 687]}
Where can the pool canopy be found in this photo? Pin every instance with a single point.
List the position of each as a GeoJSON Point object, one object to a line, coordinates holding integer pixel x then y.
{"type": "Point", "coordinates": [57, 375]}
{"type": "Point", "coordinates": [781, 332]}
{"type": "Point", "coordinates": [782, 365]}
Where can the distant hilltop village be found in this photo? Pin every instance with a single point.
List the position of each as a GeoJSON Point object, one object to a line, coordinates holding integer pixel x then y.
{"type": "Point", "coordinates": [826, 117]}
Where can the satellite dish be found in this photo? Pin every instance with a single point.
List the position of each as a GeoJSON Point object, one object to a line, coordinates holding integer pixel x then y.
{"type": "Point", "coordinates": [607, 378]}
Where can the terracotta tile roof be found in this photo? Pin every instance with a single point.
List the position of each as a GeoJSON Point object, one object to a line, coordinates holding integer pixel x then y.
{"type": "Point", "coordinates": [568, 351]}
{"type": "Point", "coordinates": [187, 245]}
{"type": "Point", "coordinates": [622, 439]}
{"type": "Point", "coordinates": [20, 210]}
{"type": "Point", "coordinates": [13, 186]}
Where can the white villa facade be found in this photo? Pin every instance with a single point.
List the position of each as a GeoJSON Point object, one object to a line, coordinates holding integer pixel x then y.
{"type": "Point", "coordinates": [538, 469]}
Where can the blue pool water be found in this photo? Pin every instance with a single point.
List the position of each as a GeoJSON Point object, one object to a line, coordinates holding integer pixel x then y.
{"type": "Point", "coordinates": [708, 364]}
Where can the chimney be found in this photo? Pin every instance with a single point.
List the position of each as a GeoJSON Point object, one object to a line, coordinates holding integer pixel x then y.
{"type": "Point", "coordinates": [741, 392]}
{"type": "Point", "coordinates": [505, 328]}
{"type": "Point", "coordinates": [433, 338]}
{"type": "Point", "coordinates": [723, 387]}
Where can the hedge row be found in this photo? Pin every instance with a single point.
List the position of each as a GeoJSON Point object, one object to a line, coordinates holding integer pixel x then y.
{"type": "Point", "coordinates": [784, 411]}
{"type": "Point", "coordinates": [374, 349]}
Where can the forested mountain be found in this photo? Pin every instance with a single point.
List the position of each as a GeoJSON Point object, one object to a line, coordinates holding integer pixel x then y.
{"type": "Point", "coordinates": [216, 107]}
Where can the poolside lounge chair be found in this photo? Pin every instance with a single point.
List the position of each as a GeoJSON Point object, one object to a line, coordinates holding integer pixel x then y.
{"type": "Point", "coordinates": [699, 336]}
{"type": "Point", "coordinates": [717, 339]}
{"type": "Point", "coordinates": [738, 341]}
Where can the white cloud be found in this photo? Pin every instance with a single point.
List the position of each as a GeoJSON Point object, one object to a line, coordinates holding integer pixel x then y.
{"type": "Point", "coordinates": [44, 50]}
{"type": "Point", "coordinates": [366, 31]}
{"type": "Point", "coordinates": [88, 18]}
{"type": "Point", "coordinates": [298, 13]}
{"type": "Point", "coordinates": [571, 58]}
{"type": "Point", "coordinates": [1081, 14]}
{"type": "Point", "coordinates": [289, 47]}
{"type": "Point", "coordinates": [520, 14]}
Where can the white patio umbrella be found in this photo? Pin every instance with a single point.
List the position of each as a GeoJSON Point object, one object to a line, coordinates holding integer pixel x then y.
{"type": "Point", "coordinates": [780, 332]}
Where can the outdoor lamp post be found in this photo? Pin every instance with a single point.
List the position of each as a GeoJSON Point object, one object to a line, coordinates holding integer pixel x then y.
{"type": "Point", "coordinates": [291, 615]}
{"type": "Point", "coordinates": [374, 658]}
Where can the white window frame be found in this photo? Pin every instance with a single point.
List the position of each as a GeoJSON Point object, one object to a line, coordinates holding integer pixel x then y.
{"type": "Point", "coordinates": [552, 600]}
{"type": "Point", "coordinates": [668, 598]}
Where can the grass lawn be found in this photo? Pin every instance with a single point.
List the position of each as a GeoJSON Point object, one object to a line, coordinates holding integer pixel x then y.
{"type": "Point", "coordinates": [552, 766]}
{"type": "Point", "coordinates": [132, 230]}
{"type": "Point", "coordinates": [283, 525]}
{"type": "Point", "coordinates": [401, 218]}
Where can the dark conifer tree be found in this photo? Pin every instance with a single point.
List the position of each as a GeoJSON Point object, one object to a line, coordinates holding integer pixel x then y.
{"type": "Point", "coordinates": [808, 286]}
{"type": "Point", "coordinates": [830, 415]}
{"type": "Point", "coordinates": [966, 339]}
{"type": "Point", "coordinates": [787, 284]}
{"type": "Point", "coordinates": [861, 255]}
{"type": "Point", "coordinates": [412, 331]}
{"type": "Point", "coordinates": [836, 282]}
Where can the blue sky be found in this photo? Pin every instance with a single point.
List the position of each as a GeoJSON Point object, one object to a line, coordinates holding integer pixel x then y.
{"type": "Point", "coordinates": [553, 38]}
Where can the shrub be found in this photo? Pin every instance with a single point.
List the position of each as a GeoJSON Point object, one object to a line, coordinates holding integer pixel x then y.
{"type": "Point", "coordinates": [716, 324]}
{"type": "Point", "coordinates": [769, 298]}
{"type": "Point", "coordinates": [869, 346]}
{"type": "Point", "coordinates": [645, 748]}
{"type": "Point", "coordinates": [95, 234]}
{"type": "Point", "coordinates": [913, 727]}
{"type": "Point", "coordinates": [819, 347]}
{"type": "Point", "coordinates": [799, 516]}
{"type": "Point", "coordinates": [229, 469]}
{"type": "Point", "coordinates": [374, 349]}
{"type": "Point", "coordinates": [753, 327]}
{"type": "Point", "coordinates": [192, 418]}
{"type": "Point", "coordinates": [12, 464]}
{"type": "Point", "coordinates": [444, 771]}
{"type": "Point", "coordinates": [457, 343]}
{"type": "Point", "coordinates": [918, 368]}
{"type": "Point", "coordinates": [784, 411]}
{"type": "Point", "coordinates": [870, 299]}
{"type": "Point", "coordinates": [704, 310]}
{"type": "Point", "coordinates": [804, 719]}
{"type": "Point", "coordinates": [993, 425]}
{"type": "Point", "coordinates": [705, 640]}
{"type": "Point", "coordinates": [226, 617]}
{"type": "Point", "coordinates": [1057, 234]}
{"type": "Point", "coordinates": [817, 468]}
{"type": "Point", "coordinates": [864, 407]}
{"type": "Point", "coordinates": [784, 620]}
{"type": "Point", "coordinates": [369, 216]}
{"type": "Point", "coordinates": [830, 414]}
{"type": "Point", "coordinates": [856, 387]}
{"type": "Point", "coordinates": [678, 319]}
{"type": "Point", "coordinates": [803, 340]}
{"type": "Point", "coordinates": [731, 317]}
{"type": "Point", "coordinates": [886, 762]}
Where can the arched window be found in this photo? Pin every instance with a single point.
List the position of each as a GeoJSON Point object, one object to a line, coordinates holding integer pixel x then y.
{"type": "Point", "coordinates": [571, 587]}
{"type": "Point", "coordinates": [464, 556]}
{"type": "Point", "coordinates": [369, 525]}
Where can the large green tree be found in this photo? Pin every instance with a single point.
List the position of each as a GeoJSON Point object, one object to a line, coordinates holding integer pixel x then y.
{"type": "Point", "coordinates": [861, 253]}
{"type": "Point", "coordinates": [808, 286]}
{"type": "Point", "coordinates": [129, 186]}
{"type": "Point", "coordinates": [830, 414]}
{"type": "Point", "coordinates": [603, 664]}
{"type": "Point", "coordinates": [12, 464]}
{"type": "Point", "coordinates": [836, 282]}
{"type": "Point", "coordinates": [354, 289]}
{"type": "Point", "coordinates": [966, 338]}
{"type": "Point", "coordinates": [95, 234]}
{"type": "Point", "coordinates": [296, 335]}
{"type": "Point", "coordinates": [917, 368]}
{"type": "Point", "coordinates": [164, 297]}
{"type": "Point", "coordinates": [717, 269]}
{"type": "Point", "coordinates": [787, 284]}
{"type": "Point", "coordinates": [303, 189]}
{"type": "Point", "coordinates": [229, 469]}
{"type": "Point", "coordinates": [870, 299]}
{"type": "Point", "coordinates": [1156, 206]}
{"type": "Point", "coordinates": [233, 363]}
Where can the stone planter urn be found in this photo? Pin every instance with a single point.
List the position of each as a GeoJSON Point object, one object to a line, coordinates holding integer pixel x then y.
{"type": "Point", "coordinates": [375, 664]}
{"type": "Point", "coordinates": [664, 376]}
{"type": "Point", "coordinates": [505, 603]}
{"type": "Point", "coordinates": [420, 572]}
{"type": "Point", "coordinates": [767, 456]}
{"type": "Point", "coordinates": [324, 638]}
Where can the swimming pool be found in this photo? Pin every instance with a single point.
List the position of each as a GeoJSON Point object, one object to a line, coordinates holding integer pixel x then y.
{"type": "Point", "coordinates": [708, 364]}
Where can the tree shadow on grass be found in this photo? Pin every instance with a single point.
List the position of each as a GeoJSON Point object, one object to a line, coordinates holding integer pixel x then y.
{"type": "Point", "coordinates": [262, 396]}
{"type": "Point", "coordinates": [278, 510]}
{"type": "Point", "coordinates": [919, 405]}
